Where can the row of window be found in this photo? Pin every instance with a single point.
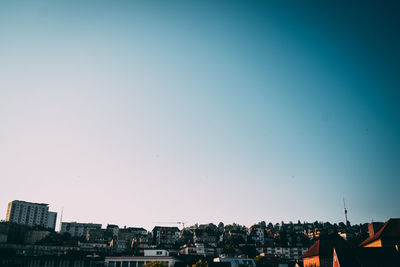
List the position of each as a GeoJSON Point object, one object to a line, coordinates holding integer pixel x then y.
{"type": "Point", "coordinates": [130, 263]}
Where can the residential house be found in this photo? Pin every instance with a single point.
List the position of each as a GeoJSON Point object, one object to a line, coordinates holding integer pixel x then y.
{"type": "Point", "coordinates": [204, 236]}
{"type": "Point", "coordinates": [345, 234]}
{"type": "Point", "coordinates": [386, 236]}
{"type": "Point", "coordinates": [298, 228]}
{"type": "Point", "coordinates": [237, 234]}
{"type": "Point", "coordinates": [114, 229]}
{"type": "Point", "coordinates": [165, 236]}
{"type": "Point", "coordinates": [257, 235]}
{"type": "Point", "coordinates": [137, 231]}
{"type": "Point", "coordinates": [289, 253]}
{"type": "Point", "coordinates": [78, 229]}
{"type": "Point", "coordinates": [320, 254]}
{"type": "Point", "coordinates": [236, 262]}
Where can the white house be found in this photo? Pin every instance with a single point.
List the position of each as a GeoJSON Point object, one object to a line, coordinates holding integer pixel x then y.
{"type": "Point", "coordinates": [133, 261]}
{"type": "Point", "coordinates": [290, 253]}
{"type": "Point", "coordinates": [236, 262]}
{"type": "Point", "coordinates": [156, 253]}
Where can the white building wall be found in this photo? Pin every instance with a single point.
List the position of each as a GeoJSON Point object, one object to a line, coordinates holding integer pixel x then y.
{"type": "Point", "coordinates": [28, 213]}
{"type": "Point", "coordinates": [155, 252]}
{"type": "Point", "coordinates": [292, 253]}
{"type": "Point", "coordinates": [137, 261]}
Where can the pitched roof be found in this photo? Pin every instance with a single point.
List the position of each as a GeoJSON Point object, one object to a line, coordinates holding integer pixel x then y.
{"type": "Point", "coordinates": [324, 247]}
{"type": "Point", "coordinates": [368, 257]}
{"type": "Point", "coordinates": [390, 230]}
{"type": "Point", "coordinates": [312, 251]}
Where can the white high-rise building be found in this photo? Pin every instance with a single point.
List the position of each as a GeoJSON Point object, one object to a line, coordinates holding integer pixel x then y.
{"type": "Point", "coordinates": [32, 214]}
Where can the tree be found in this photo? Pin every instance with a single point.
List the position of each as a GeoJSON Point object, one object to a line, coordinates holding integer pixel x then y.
{"type": "Point", "coordinates": [229, 249]}
{"type": "Point", "coordinates": [200, 263]}
{"type": "Point", "coordinates": [250, 251]}
{"type": "Point", "coordinates": [156, 264]}
{"type": "Point", "coordinates": [262, 261]}
{"type": "Point", "coordinates": [212, 227]}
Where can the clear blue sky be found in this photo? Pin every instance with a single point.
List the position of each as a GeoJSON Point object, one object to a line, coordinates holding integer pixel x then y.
{"type": "Point", "coordinates": [131, 112]}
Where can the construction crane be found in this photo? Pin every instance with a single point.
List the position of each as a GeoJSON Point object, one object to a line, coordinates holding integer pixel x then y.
{"type": "Point", "coordinates": [179, 223]}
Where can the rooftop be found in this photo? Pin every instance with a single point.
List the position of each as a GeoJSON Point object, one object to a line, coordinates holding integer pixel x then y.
{"type": "Point", "coordinates": [324, 247]}
{"type": "Point", "coordinates": [390, 230]}
{"type": "Point", "coordinates": [26, 202]}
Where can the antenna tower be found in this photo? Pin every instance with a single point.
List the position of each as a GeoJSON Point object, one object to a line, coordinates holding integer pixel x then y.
{"type": "Point", "coordinates": [345, 211]}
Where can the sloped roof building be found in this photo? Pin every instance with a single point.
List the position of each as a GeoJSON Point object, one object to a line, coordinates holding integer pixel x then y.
{"type": "Point", "coordinates": [387, 236]}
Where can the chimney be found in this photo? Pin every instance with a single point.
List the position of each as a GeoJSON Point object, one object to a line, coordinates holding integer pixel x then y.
{"type": "Point", "coordinates": [374, 227]}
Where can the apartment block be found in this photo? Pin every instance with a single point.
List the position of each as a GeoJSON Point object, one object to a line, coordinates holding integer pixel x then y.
{"type": "Point", "coordinates": [31, 214]}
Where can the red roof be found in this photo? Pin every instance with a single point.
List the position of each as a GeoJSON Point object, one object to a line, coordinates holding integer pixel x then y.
{"type": "Point", "coordinates": [312, 251]}
{"type": "Point", "coordinates": [390, 230]}
{"type": "Point", "coordinates": [324, 248]}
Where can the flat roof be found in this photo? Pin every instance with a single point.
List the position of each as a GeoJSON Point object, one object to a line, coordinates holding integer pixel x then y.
{"type": "Point", "coordinates": [21, 201]}
{"type": "Point", "coordinates": [141, 258]}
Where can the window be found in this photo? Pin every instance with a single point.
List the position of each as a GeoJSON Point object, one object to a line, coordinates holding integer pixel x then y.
{"type": "Point", "coordinates": [159, 253]}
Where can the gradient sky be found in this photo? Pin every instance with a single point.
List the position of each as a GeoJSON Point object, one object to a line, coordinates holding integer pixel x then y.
{"type": "Point", "coordinates": [134, 112]}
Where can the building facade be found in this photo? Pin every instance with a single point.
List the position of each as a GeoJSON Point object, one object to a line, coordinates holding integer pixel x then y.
{"type": "Point", "coordinates": [163, 235]}
{"type": "Point", "coordinates": [31, 214]}
{"type": "Point", "coordinates": [134, 261]}
{"type": "Point", "coordinates": [383, 235]}
{"type": "Point", "coordinates": [78, 229]}
{"type": "Point", "coordinates": [289, 253]}
{"type": "Point", "coordinates": [236, 262]}
{"type": "Point", "coordinates": [320, 254]}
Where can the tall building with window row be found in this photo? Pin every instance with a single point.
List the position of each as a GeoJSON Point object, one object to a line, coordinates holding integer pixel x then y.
{"type": "Point", "coordinates": [31, 214]}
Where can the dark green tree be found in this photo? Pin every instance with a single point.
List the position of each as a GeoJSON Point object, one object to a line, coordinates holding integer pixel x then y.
{"type": "Point", "coordinates": [262, 261]}
{"type": "Point", "coordinates": [200, 263]}
{"type": "Point", "coordinates": [156, 264]}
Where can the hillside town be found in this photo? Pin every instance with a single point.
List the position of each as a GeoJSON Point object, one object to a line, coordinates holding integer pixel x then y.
{"type": "Point", "coordinates": [28, 237]}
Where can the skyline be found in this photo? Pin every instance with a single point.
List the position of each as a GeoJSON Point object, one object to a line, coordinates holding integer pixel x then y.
{"type": "Point", "coordinates": [135, 112]}
{"type": "Point", "coordinates": [180, 224]}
